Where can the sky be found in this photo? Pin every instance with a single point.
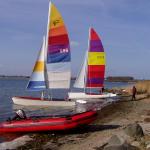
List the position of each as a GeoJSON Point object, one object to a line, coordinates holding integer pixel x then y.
{"type": "Point", "coordinates": [123, 25]}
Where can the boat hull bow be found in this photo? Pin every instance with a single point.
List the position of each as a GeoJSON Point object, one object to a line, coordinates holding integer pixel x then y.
{"type": "Point", "coordinates": [30, 101]}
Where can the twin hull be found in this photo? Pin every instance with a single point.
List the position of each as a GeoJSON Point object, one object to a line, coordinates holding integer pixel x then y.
{"type": "Point", "coordinates": [81, 95]}
{"type": "Point", "coordinates": [30, 101]}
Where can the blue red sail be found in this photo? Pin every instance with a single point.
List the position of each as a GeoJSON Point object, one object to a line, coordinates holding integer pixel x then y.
{"type": "Point", "coordinates": [58, 51]}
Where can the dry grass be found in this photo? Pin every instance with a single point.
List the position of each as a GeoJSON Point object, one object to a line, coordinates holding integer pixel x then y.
{"type": "Point", "coordinates": [143, 87]}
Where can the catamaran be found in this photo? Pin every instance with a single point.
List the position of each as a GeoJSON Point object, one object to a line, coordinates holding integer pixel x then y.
{"type": "Point", "coordinates": [52, 69]}
{"type": "Point", "coordinates": [92, 72]}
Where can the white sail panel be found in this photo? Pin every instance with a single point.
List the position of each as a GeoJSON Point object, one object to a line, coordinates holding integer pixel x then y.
{"type": "Point", "coordinates": [59, 75]}
{"type": "Point", "coordinates": [59, 67]}
{"type": "Point", "coordinates": [59, 79]}
{"type": "Point", "coordinates": [37, 76]}
{"type": "Point", "coordinates": [80, 80]}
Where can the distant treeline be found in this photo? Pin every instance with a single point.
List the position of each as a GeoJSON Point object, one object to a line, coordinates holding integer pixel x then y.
{"type": "Point", "coordinates": [120, 78]}
{"type": "Point", "coordinates": [13, 77]}
{"type": "Point", "coordinates": [109, 78]}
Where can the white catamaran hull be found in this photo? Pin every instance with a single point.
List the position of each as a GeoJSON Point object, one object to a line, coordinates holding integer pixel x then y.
{"type": "Point", "coordinates": [81, 95]}
{"type": "Point", "coordinates": [29, 101]}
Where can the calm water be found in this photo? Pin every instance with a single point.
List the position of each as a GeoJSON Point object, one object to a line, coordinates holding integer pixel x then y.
{"type": "Point", "coordinates": [12, 87]}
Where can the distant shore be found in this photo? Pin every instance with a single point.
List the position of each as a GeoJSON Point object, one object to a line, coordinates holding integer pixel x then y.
{"type": "Point", "coordinates": [120, 79]}
{"type": "Point", "coordinates": [13, 77]}
{"type": "Point", "coordinates": [109, 79]}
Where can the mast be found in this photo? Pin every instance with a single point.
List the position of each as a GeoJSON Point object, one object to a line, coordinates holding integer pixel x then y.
{"type": "Point", "coordinates": [87, 55]}
{"type": "Point", "coordinates": [46, 48]}
{"type": "Point", "coordinates": [58, 56]}
{"type": "Point", "coordinates": [42, 95]}
{"type": "Point", "coordinates": [48, 21]}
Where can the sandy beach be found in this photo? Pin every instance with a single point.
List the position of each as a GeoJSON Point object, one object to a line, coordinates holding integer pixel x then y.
{"type": "Point", "coordinates": [111, 120]}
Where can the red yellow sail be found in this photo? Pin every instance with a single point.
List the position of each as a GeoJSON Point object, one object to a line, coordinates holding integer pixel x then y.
{"type": "Point", "coordinates": [96, 61]}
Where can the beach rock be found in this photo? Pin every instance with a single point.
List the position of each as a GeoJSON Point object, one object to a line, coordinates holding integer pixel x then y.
{"type": "Point", "coordinates": [148, 147]}
{"type": "Point", "coordinates": [15, 143]}
{"type": "Point", "coordinates": [135, 143]}
{"type": "Point", "coordinates": [124, 146]}
{"type": "Point", "coordinates": [50, 146]}
{"type": "Point", "coordinates": [147, 142]}
{"type": "Point", "coordinates": [134, 130]}
{"type": "Point", "coordinates": [115, 140]}
{"type": "Point", "coordinates": [118, 143]}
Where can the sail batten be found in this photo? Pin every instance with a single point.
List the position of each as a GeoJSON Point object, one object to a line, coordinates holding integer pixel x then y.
{"type": "Point", "coordinates": [58, 51]}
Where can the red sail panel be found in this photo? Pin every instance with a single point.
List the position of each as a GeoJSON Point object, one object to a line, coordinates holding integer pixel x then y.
{"type": "Point", "coordinates": [61, 39]}
{"type": "Point", "coordinates": [95, 75]}
{"type": "Point", "coordinates": [96, 71]}
{"type": "Point", "coordinates": [94, 85]}
{"type": "Point", "coordinates": [94, 35]}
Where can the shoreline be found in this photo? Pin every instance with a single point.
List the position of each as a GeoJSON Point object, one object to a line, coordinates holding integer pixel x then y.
{"type": "Point", "coordinates": [111, 120]}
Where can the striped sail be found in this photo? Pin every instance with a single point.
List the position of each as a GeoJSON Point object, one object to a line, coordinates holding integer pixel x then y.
{"type": "Point", "coordinates": [58, 51]}
{"type": "Point", "coordinates": [37, 79]}
{"type": "Point", "coordinates": [95, 62]}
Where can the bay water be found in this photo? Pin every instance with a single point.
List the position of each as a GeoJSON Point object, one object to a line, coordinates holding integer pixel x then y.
{"type": "Point", "coordinates": [17, 87]}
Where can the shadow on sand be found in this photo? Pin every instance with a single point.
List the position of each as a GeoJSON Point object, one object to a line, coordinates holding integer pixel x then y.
{"type": "Point", "coordinates": [94, 128]}
{"type": "Point", "coordinates": [6, 137]}
{"type": "Point", "coordinates": [89, 129]}
{"type": "Point", "coordinates": [79, 130]}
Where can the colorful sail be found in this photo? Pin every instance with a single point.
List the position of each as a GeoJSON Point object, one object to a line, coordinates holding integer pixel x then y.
{"type": "Point", "coordinates": [96, 61]}
{"type": "Point", "coordinates": [58, 51]}
{"type": "Point", "coordinates": [37, 79]}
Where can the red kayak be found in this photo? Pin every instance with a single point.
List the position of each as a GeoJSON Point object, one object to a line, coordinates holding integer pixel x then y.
{"type": "Point", "coordinates": [49, 123]}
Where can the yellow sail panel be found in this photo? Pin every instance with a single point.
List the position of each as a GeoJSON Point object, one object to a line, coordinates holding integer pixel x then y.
{"type": "Point", "coordinates": [96, 58]}
{"type": "Point", "coordinates": [39, 66]}
{"type": "Point", "coordinates": [56, 19]}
